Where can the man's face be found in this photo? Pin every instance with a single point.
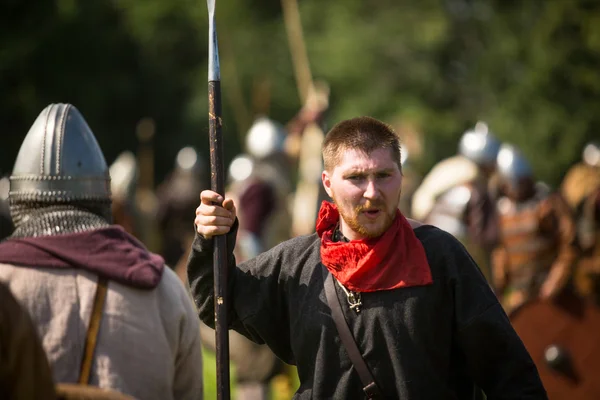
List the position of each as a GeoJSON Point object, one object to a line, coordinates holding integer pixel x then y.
{"type": "Point", "coordinates": [366, 190]}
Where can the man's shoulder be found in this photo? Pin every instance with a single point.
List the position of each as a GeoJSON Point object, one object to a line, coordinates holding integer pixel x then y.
{"type": "Point", "coordinates": [434, 237]}
{"type": "Point", "coordinates": [297, 244]}
{"type": "Point", "coordinates": [443, 250]}
{"type": "Point", "coordinates": [293, 252]}
{"type": "Point", "coordinates": [171, 284]}
{"type": "Point", "coordinates": [33, 277]}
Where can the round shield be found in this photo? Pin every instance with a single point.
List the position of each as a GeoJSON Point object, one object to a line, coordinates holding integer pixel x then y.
{"type": "Point", "coordinates": [563, 338]}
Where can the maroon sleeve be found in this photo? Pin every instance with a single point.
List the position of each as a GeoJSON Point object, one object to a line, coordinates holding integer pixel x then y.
{"type": "Point", "coordinates": [257, 203]}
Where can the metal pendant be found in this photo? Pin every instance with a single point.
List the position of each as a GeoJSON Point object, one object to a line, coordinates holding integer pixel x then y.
{"type": "Point", "coordinates": [354, 301]}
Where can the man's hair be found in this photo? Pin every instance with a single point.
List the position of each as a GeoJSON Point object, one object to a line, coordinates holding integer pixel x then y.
{"type": "Point", "coordinates": [362, 133]}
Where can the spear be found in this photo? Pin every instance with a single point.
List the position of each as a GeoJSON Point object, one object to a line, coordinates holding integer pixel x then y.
{"type": "Point", "coordinates": [217, 185]}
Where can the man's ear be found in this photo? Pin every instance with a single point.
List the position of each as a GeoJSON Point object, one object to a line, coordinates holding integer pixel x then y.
{"type": "Point", "coordinates": [325, 178]}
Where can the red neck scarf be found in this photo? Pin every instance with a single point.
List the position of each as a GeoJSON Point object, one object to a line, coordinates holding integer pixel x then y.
{"type": "Point", "coordinates": [394, 260]}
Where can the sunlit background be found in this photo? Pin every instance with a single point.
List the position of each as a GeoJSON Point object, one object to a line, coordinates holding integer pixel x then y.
{"type": "Point", "coordinates": [431, 68]}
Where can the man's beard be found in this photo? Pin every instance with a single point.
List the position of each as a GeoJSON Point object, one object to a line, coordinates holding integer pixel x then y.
{"type": "Point", "coordinates": [352, 219]}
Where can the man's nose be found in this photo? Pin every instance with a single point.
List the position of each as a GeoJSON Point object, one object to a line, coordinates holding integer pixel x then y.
{"type": "Point", "coordinates": [371, 190]}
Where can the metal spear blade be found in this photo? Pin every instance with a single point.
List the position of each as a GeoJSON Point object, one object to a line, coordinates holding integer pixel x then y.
{"type": "Point", "coordinates": [214, 69]}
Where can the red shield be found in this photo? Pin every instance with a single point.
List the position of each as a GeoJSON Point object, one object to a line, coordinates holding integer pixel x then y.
{"type": "Point", "coordinates": [563, 338]}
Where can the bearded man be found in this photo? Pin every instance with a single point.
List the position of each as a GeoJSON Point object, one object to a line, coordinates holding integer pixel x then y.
{"type": "Point", "coordinates": [424, 320]}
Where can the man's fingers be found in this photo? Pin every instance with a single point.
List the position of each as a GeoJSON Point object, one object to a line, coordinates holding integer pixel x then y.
{"type": "Point", "coordinates": [209, 231]}
{"type": "Point", "coordinates": [213, 210]}
{"type": "Point", "coordinates": [210, 197]}
{"type": "Point", "coordinates": [229, 205]}
{"type": "Point", "coordinates": [210, 225]}
{"type": "Point", "coordinates": [215, 215]}
{"type": "Point", "coordinates": [212, 220]}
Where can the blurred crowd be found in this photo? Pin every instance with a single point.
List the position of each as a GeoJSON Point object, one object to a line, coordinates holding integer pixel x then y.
{"type": "Point", "coordinates": [530, 240]}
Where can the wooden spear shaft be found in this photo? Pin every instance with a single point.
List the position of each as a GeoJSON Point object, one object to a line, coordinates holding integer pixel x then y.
{"type": "Point", "coordinates": [217, 183]}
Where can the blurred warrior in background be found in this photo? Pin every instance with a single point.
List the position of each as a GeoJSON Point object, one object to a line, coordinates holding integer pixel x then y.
{"type": "Point", "coordinates": [261, 181]}
{"type": "Point", "coordinates": [410, 183]}
{"type": "Point", "coordinates": [581, 190]}
{"type": "Point", "coordinates": [177, 197]}
{"type": "Point", "coordinates": [146, 203]}
{"type": "Point", "coordinates": [123, 184]}
{"type": "Point", "coordinates": [69, 267]}
{"type": "Point", "coordinates": [303, 146]}
{"type": "Point", "coordinates": [135, 205]}
{"type": "Point", "coordinates": [536, 250]}
{"type": "Point", "coordinates": [412, 152]}
{"type": "Point", "coordinates": [458, 195]}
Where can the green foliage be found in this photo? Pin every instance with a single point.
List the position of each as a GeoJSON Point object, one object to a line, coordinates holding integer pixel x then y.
{"type": "Point", "coordinates": [528, 68]}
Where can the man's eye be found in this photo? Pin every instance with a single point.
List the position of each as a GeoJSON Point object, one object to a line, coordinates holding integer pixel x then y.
{"type": "Point", "coordinates": [382, 175]}
{"type": "Point", "coordinates": [354, 177]}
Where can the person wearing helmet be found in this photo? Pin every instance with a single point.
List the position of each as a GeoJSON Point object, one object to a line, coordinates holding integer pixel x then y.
{"type": "Point", "coordinates": [123, 183]}
{"type": "Point", "coordinates": [457, 195]}
{"type": "Point", "coordinates": [536, 250]}
{"type": "Point", "coordinates": [581, 189]}
{"type": "Point", "coordinates": [177, 197]}
{"type": "Point", "coordinates": [85, 281]}
{"type": "Point", "coordinates": [263, 185]}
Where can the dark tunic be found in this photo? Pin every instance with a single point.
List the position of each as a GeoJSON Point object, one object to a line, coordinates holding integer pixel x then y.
{"type": "Point", "coordinates": [428, 342]}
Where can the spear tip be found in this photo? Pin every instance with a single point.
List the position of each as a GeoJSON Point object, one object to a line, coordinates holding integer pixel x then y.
{"type": "Point", "coordinates": [214, 70]}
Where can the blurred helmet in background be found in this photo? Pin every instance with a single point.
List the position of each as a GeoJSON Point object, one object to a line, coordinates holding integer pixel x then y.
{"type": "Point", "coordinates": [265, 138]}
{"type": "Point", "coordinates": [123, 176]}
{"type": "Point", "coordinates": [240, 168]}
{"type": "Point", "coordinates": [512, 166]}
{"type": "Point", "coordinates": [181, 187]}
{"type": "Point", "coordinates": [479, 145]}
{"type": "Point", "coordinates": [188, 160]}
{"type": "Point", "coordinates": [404, 156]}
{"type": "Point", "coordinates": [591, 154]}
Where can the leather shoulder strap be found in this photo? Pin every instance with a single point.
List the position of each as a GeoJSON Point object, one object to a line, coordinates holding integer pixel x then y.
{"type": "Point", "coordinates": [369, 386]}
{"type": "Point", "coordinates": [92, 332]}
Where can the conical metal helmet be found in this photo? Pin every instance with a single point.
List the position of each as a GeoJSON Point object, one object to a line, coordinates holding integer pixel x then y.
{"type": "Point", "coordinates": [265, 138]}
{"type": "Point", "coordinates": [60, 161]}
{"type": "Point", "coordinates": [479, 145]}
{"type": "Point", "coordinates": [124, 177]}
{"type": "Point", "coordinates": [591, 154]}
{"type": "Point", "coordinates": [189, 160]}
{"type": "Point", "coordinates": [241, 168]}
{"type": "Point", "coordinates": [512, 165]}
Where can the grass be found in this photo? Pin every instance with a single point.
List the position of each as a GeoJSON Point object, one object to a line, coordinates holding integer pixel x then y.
{"type": "Point", "coordinates": [281, 388]}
